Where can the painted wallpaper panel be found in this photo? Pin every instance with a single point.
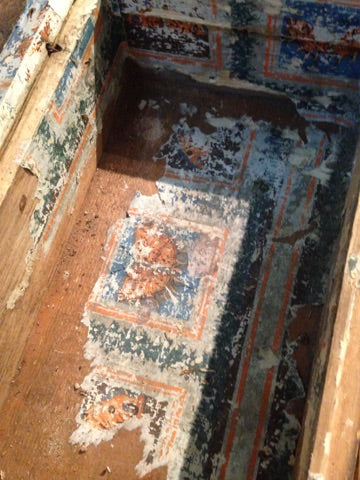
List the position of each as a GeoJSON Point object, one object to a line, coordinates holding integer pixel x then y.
{"type": "Point", "coordinates": [308, 49]}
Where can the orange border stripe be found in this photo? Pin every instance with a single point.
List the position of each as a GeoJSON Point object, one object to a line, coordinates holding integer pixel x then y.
{"type": "Point", "coordinates": [288, 287]}
{"type": "Point", "coordinates": [252, 335]}
{"type": "Point", "coordinates": [214, 8]}
{"type": "Point", "coordinates": [263, 410]}
{"type": "Point", "coordinates": [349, 3]}
{"type": "Point", "coordinates": [280, 327]}
{"type": "Point", "coordinates": [277, 336]}
{"type": "Point", "coordinates": [247, 156]}
{"type": "Point", "coordinates": [333, 118]}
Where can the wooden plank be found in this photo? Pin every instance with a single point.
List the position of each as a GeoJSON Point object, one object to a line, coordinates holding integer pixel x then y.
{"type": "Point", "coordinates": [15, 215]}
{"type": "Point", "coordinates": [16, 324]}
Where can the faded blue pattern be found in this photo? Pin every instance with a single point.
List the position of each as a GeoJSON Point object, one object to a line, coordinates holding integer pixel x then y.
{"type": "Point", "coordinates": [175, 301]}
{"type": "Point", "coordinates": [71, 68]}
{"type": "Point", "coordinates": [340, 57]}
{"type": "Point", "coordinates": [206, 158]}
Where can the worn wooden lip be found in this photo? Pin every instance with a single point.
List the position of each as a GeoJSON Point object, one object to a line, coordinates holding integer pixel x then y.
{"type": "Point", "coordinates": [18, 87]}
{"type": "Point", "coordinates": [24, 104]}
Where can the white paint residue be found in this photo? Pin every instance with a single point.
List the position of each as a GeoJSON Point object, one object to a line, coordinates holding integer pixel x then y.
{"type": "Point", "coordinates": [220, 122]}
{"type": "Point", "coordinates": [21, 151]}
{"type": "Point", "coordinates": [322, 173]}
{"type": "Point", "coordinates": [295, 63]}
{"type": "Point", "coordinates": [30, 164]}
{"type": "Point", "coordinates": [290, 134]}
{"type": "Point", "coordinates": [302, 157]}
{"type": "Point", "coordinates": [354, 266]}
{"type": "Point", "coordinates": [349, 423]}
{"type": "Point", "coordinates": [316, 476]}
{"type": "Point", "coordinates": [324, 100]}
{"type": "Point", "coordinates": [271, 7]}
{"type": "Point", "coordinates": [188, 110]}
{"type": "Point", "coordinates": [200, 256]}
{"type": "Point", "coordinates": [175, 9]}
{"type": "Point", "coordinates": [323, 34]}
{"type": "Point", "coordinates": [151, 129]}
{"type": "Point", "coordinates": [154, 104]}
{"type": "Point", "coordinates": [267, 359]}
{"type": "Point", "coordinates": [327, 443]}
{"type": "Point", "coordinates": [88, 7]}
{"type": "Point", "coordinates": [172, 296]}
{"type": "Point", "coordinates": [142, 104]}
{"type": "Point", "coordinates": [61, 7]}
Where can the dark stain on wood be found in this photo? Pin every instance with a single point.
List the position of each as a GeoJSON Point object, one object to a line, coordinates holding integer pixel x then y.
{"type": "Point", "coordinates": [22, 203]}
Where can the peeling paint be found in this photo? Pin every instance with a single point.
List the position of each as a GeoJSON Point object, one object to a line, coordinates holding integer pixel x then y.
{"type": "Point", "coordinates": [354, 266]}
{"type": "Point", "coordinates": [63, 140]}
{"type": "Point", "coordinates": [24, 55]}
{"type": "Point", "coordinates": [62, 134]}
{"type": "Point", "coordinates": [160, 311]}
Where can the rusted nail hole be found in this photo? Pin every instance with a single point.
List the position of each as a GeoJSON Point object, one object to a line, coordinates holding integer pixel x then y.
{"type": "Point", "coordinates": [53, 48]}
{"type": "Point", "coordinates": [30, 12]}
